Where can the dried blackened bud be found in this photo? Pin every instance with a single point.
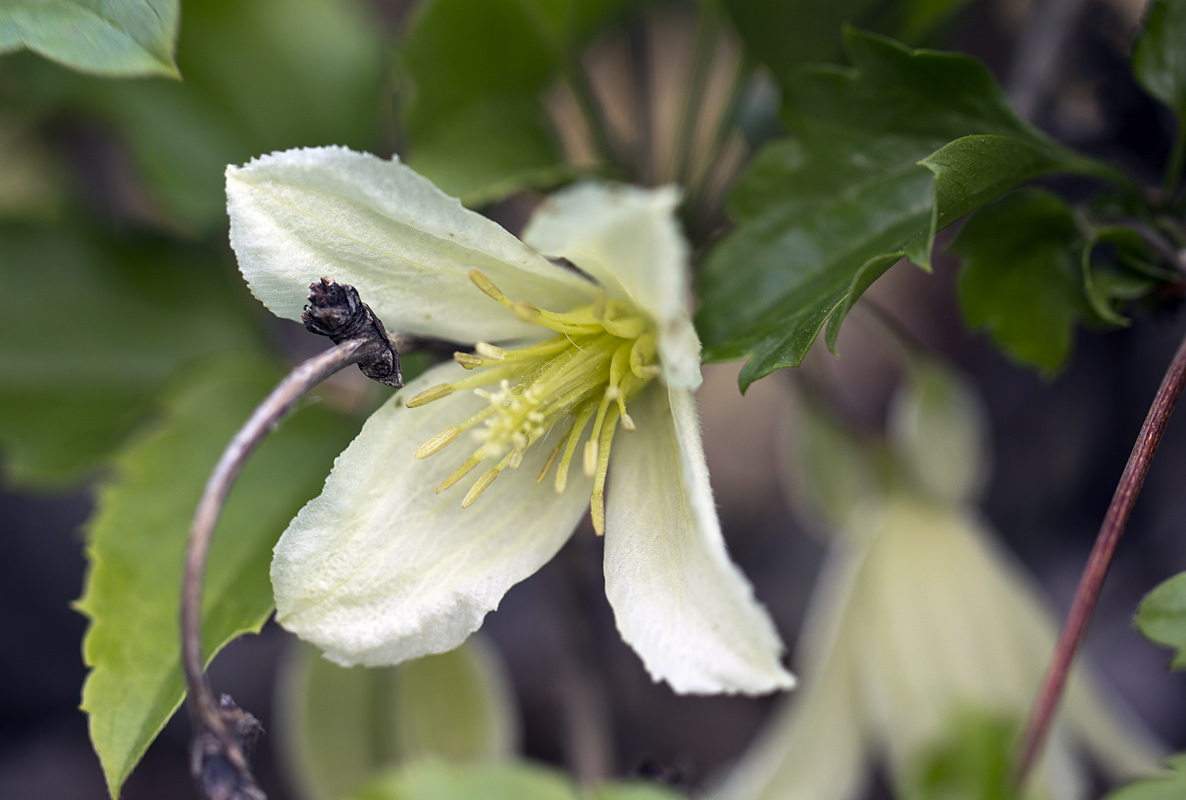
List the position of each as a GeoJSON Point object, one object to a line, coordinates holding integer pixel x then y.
{"type": "Point", "coordinates": [335, 310]}
{"type": "Point", "coordinates": [221, 769]}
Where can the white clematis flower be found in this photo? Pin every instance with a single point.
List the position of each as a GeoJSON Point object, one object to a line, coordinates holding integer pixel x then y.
{"type": "Point", "coordinates": [391, 562]}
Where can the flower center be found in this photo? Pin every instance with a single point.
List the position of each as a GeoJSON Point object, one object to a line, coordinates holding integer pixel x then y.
{"type": "Point", "coordinates": [602, 356]}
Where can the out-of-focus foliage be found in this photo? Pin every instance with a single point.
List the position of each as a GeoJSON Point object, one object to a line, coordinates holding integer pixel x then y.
{"type": "Point", "coordinates": [107, 37]}
{"type": "Point", "coordinates": [1159, 58]}
{"type": "Point", "coordinates": [1169, 785]}
{"type": "Point", "coordinates": [973, 761]}
{"type": "Point", "coordinates": [137, 539]}
{"type": "Point", "coordinates": [338, 727]}
{"type": "Point", "coordinates": [886, 154]}
{"type": "Point", "coordinates": [438, 781]}
{"type": "Point", "coordinates": [260, 76]}
{"type": "Point", "coordinates": [1162, 617]}
{"type": "Point", "coordinates": [105, 326]}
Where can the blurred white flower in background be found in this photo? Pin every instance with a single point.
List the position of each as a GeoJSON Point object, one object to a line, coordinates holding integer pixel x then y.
{"type": "Point", "coordinates": [925, 643]}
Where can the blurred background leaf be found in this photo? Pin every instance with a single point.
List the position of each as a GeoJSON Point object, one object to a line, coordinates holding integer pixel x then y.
{"type": "Point", "coordinates": [116, 38]}
{"type": "Point", "coordinates": [1162, 617]}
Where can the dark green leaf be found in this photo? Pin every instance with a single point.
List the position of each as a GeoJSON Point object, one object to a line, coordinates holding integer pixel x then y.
{"type": "Point", "coordinates": [1130, 274]}
{"type": "Point", "coordinates": [341, 726]}
{"type": "Point", "coordinates": [1169, 785]}
{"type": "Point", "coordinates": [1020, 278]}
{"type": "Point", "coordinates": [107, 37]}
{"type": "Point", "coordinates": [887, 153]}
{"type": "Point", "coordinates": [94, 329]}
{"type": "Point", "coordinates": [137, 540]}
{"type": "Point", "coordinates": [440, 781]}
{"type": "Point", "coordinates": [1159, 58]}
{"type": "Point", "coordinates": [1161, 617]}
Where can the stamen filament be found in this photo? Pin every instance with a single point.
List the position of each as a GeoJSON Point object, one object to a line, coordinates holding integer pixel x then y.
{"type": "Point", "coordinates": [570, 447]}
{"type": "Point", "coordinates": [597, 502]}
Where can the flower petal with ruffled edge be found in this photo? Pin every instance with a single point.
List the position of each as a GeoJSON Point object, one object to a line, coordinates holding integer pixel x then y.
{"type": "Point", "coordinates": [407, 247]}
{"type": "Point", "coordinates": [379, 568]}
{"type": "Point", "coordinates": [679, 601]}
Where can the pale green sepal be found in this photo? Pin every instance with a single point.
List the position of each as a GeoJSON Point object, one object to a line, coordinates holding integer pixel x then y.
{"type": "Point", "coordinates": [340, 726]}
{"type": "Point", "coordinates": [118, 38]}
{"type": "Point", "coordinates": [938, 427]}
{"type": "Point", "coordinates": [678, 600]}
{"type": "Point", "coordinates": [380, 568]}
{"type": "Point", "coordinates": [628, 239]}
{"type": "Point", "coordinates": [407, 247]}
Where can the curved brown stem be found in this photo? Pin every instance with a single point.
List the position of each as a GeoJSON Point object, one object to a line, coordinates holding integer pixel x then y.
{"type": "Point", "coordinates": [222, 730]}
{"type": "Point", "coordinates": [1098, 562]}
{"type": "Point", "coordinates": [210, 717]}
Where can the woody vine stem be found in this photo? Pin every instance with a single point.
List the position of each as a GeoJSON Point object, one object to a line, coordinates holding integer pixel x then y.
{"type": "Point", "coordinates": [1092, 581]}
{"type": "Point", "coordinates": [223, 732]}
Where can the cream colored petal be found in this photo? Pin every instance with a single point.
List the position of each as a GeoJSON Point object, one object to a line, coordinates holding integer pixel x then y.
{"type": "Point", "coordinates": [407, 247]}
{"type": "Point", "coordinates": [380, 569]}
{"type": "Point", "coordinates": [679, 601]}
{"type": "Point", "coordinates": [628, 239]}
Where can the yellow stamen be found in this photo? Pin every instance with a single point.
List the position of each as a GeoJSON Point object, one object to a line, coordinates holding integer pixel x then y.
{"type": "Point", "coordinates": [461, 471]}
{"type": "Point", "coordinates": [603, 355]}
{"type": "Point", "coordinates": [597, 502]}
{"type": "Point", "coordinates": [438, 442]}
{"type": "Point", "coordinates": [428, 395]}
{"type": "Point", "coordinates": [487, 478]}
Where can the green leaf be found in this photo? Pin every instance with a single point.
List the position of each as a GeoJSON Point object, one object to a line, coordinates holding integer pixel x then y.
{"type": "Point", "coordinates": [99, 329]}
{"type": "Point", "coordinates": [440, 781]}
{"type": "Point", "coordinates": [1169, 785]}
{"type": "Point", "coordinates": [888, 153]}
{"type": "Point", "coordinates": [1020, 278]}
{"type": "Point", "coordinates": [106, 37]}
{"type": "Point", "coordinates": [474, 120]}
{"type": "Point", "coordinates": [1159, 57]}
{"type": "Point", "coordinates": [1161, 617]}
{"type": "Point", "coordinates": [341, 726]}
{"type": "Point", "coordinates": [137, 539]}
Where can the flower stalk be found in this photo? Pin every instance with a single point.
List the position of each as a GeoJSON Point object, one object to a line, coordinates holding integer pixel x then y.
{"type": "Point", "coordinates": [222, 731]}
{"type": "Point", "coordinates": [1092, 580]}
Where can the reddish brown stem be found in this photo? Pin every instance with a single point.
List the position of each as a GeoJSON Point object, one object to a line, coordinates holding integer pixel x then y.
{"type": "Point", "coordinates": [1098, 562]}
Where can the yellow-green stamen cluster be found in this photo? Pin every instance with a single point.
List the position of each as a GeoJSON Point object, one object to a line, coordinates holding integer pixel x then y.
{"type": "Point", "coordinates": [602, 355]}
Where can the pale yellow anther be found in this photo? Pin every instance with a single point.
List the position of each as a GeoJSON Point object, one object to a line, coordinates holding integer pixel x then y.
{"type": "Point", "coordinates": [468, 360]}
{"type": "Point", "coordinates": [597, 512]}
{"type": "Point", "coordinates": [487, 286]}
{"type": "Point", "coordinates": [461, 471]}
{"type": "Point", "coordinates": [627, 422]}
{"type": "Point", "coordinates": [487, 350]}
{"type": "Point", "coordinates": [428, 395]}
{"type": "Point", "coordinates": [590, 464]}
{"type": "Point", "coordinates": [447, 436]}
{"type": "Point", "coordinates": [517, 457]}
{"type": "Point", "coordinates": [476, 490]}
